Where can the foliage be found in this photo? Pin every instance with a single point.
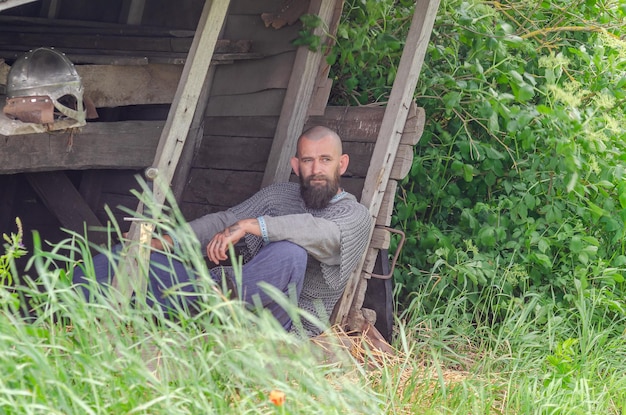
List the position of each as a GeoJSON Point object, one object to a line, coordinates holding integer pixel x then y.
{"type": "Point", "coordinates": [62, 355]}
{"type": "Point", "coordinates": [518, 183]}
{"type": "Point", "coordinates": [13, 249]}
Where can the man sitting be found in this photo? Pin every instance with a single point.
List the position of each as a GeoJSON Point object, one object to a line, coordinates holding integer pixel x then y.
{"type": "Point", "coordinates": [305, 238]}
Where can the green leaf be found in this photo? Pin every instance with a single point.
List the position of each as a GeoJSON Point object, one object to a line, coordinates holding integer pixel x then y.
{"type": "Point", "coordinates": [524, 92]}
{"type": "Point", "coordinates": [543, 260]}
{"type": "Point", "coordinates": [468, 172]}
{"type": "Point", "coordinates": [452, 100]}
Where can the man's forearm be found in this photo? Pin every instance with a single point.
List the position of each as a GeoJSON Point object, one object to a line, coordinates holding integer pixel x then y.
{"type": "Point", "coordinates": [250, 225]}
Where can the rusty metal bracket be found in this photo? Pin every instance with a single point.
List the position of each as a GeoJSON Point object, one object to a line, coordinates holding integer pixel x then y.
{"type": "Point", "coordinates": [396, 255]}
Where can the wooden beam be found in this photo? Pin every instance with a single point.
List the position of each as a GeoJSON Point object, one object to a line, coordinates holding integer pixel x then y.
{"type": "Point", "coordinates": [132, 11]}
{"type": "Point", "coordinates": [402, 163]}
{"type": "Point", "coordinates": [323, 84]}
{"type": "Point", "coordinates": [115, 85]}
{"type": "Point", "coordinates": [50, 9]}
{"type": "Point", "coordinates": [7, 4]}
{"type": "Point", "coordinates": [111, 145]}
{"type": "Point", "coordinates": [172, 142]}
{"type": "Point", "coordinates": [297, 100]}
{"type": "Point", "coordinates": [8, 184]}
{"type": "Point", "coordinates": [362, 124]}
{"type": "Point", "coordinates": [23, 24]}
{"type": "Point", "coordinates": [90, 187]}
{"type": "Point", "coordinates": [389, 137]}
{"type": "Point", "coordinates": [386, 208]}
{"type": "Point", "coordinates": [188, 93]}
{"type": "Point", "coordinates": [194, 140]}
{"type": "Point", "coordinates": [62, 199]}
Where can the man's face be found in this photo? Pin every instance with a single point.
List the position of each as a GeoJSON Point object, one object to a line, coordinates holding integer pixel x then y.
{"type": "Point", "coordinates": [319, 164]}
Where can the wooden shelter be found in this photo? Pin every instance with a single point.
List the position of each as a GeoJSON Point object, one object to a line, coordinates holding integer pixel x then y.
{"type": "Point", "coordinates": [211, 95]}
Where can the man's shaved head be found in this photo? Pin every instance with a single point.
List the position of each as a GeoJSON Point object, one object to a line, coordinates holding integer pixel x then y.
{"type": "Point", "coordinates": [319, 163]}
{"type": "Point", "coordinates": [317, 133]}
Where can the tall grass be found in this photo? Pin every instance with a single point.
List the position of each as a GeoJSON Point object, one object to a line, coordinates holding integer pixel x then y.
{"type": "Point", "coordinates": [539, 358]}
{"type": "Point", "coordinates": [60, 354]}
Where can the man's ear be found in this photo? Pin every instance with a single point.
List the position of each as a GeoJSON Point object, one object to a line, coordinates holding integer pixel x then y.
{"type": "Point", "coordinates": [295, 165]}
{"type": "Point", "coordinates": [344, 160]}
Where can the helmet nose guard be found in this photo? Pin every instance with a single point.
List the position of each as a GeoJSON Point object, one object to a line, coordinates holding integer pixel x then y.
{"type": "Point", "coordinates": [47, 72]}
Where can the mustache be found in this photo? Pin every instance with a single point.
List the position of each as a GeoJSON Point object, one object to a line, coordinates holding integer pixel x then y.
{"type": "Point", "coordinates": [317, 177]}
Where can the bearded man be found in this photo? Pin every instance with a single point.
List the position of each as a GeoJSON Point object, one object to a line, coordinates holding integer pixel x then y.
{"type": "Point", "coordinates": [304, 239]}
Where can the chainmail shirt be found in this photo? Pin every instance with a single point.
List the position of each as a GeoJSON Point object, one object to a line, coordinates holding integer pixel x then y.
{"type": "Point", "coordinates": [335, 238]}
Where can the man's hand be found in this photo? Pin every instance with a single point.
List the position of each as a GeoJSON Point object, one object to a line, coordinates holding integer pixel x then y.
{"type": "Point", "coordinates": [217, 249]}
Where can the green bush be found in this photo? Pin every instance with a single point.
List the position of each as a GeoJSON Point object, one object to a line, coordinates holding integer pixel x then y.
{"type": "Point", "coordinates": [518, 183]}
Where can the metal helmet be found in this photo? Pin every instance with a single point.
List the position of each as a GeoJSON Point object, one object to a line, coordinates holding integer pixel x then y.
{"type": "Point", "coordinates": [48, 72]}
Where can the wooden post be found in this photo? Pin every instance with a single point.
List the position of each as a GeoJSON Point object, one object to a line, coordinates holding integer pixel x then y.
{"type": "Point", "coordinates": [194, 140]}
{"type": "Point", "coordinates": [132, 11]}
{"type": "Point", "coordinates": [389, 138]}
{"type": "Point", "coordinates": [297, 101]}
{"type": "Point", "coordinates": [63, 199]}
{"type": "Point", "coordinates": [172, 141]}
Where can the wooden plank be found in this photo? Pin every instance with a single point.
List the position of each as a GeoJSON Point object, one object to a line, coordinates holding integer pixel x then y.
{"type": "Point", "coordinates": [363, 123]}
{"type": "Point", "coordinates": [323, 84]}
{"type": "Point", "coordinates": [233, 153]}
{"type": "Point", "coordinates": [360, 156]}
{"type": "Point", "coordinates": [353, 185]}
{"type": "Point", "coordinates": [7, 4]}
{"type": "Point", "coordinates": [171, 143]}
{"type": "Point", "coordinates": [260, 127]}
{"type": "Point", "coordinates": [386, 207]}
{"type": "Point", "coordinates": [389, 136]}
{"type": "Point", "coordinates": [168, 13]}
{"type": "Point", "coordinates": [8, 184]}
{"type": "Point", "coordinates": [321, 92]}
{"type": "Point", "coordinates": [351, 123]}
{"type": "Point", "coordinates": [402, 163]}
{"type": "Point", "coordinates": [297, 101]}
{"type": "Point", "coordinates": [87, 41]}
{"type": "Point", "coordinates": [193, 211]}
{"type": "Point", "coordinates": [194, 138]}
{"type": "Point", "coordinates": [89, 25]}
{"type": "Point", "coordinates": [97, 145]}
{"type": "Point", "coordinates": [258, 104]}
{"type": "Point", "coordinates": [50, 8]}
{"type": "Point", "coordinates": [257, 75]}
{"type": "Point", "coordinates": [255, 7]}
{"type": "Point", "coordinates": [207, 186]}
{"type": "Point", "coordinates": [113, 85]}
{"type": "Point", "coordinates": [267, 41]}
{"type": "Point", "coordinates": [132, 11]}
{"type": "Point", "coordinates": [62, 199]}
{"type": "Point", "coordinates": [91, 187]}
{"type": "Point", "coordinates": [414, 126]}
{"type": "Point", "coordinates": [185, 102]}
{"type": "Point", "coordinates": [381, 239]}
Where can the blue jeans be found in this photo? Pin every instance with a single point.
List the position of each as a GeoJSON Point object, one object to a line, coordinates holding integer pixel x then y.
{"type": "Point", "coordinates": [280, 264]}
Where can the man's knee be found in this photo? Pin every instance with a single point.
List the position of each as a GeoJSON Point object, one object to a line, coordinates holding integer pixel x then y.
{"type": "Point", "coordinates": [286, 250]}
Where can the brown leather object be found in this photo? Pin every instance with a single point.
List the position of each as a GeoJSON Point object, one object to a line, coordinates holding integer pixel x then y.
{"type": "Point", "coordinates": [35, 109]}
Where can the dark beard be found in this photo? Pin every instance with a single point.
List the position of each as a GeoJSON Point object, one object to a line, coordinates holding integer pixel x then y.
{"type": "Point", "coordinates": [318, 197]}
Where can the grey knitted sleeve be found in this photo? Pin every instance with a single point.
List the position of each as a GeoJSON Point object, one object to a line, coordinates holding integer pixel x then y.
{"type": "Point", "coordinates": [207, 226]}
{"type": "Point", "coordinates": [320, 237]}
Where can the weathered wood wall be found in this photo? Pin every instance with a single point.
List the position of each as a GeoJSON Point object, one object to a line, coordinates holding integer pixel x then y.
{"type": "Point", "coordinates": [242, 112]}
